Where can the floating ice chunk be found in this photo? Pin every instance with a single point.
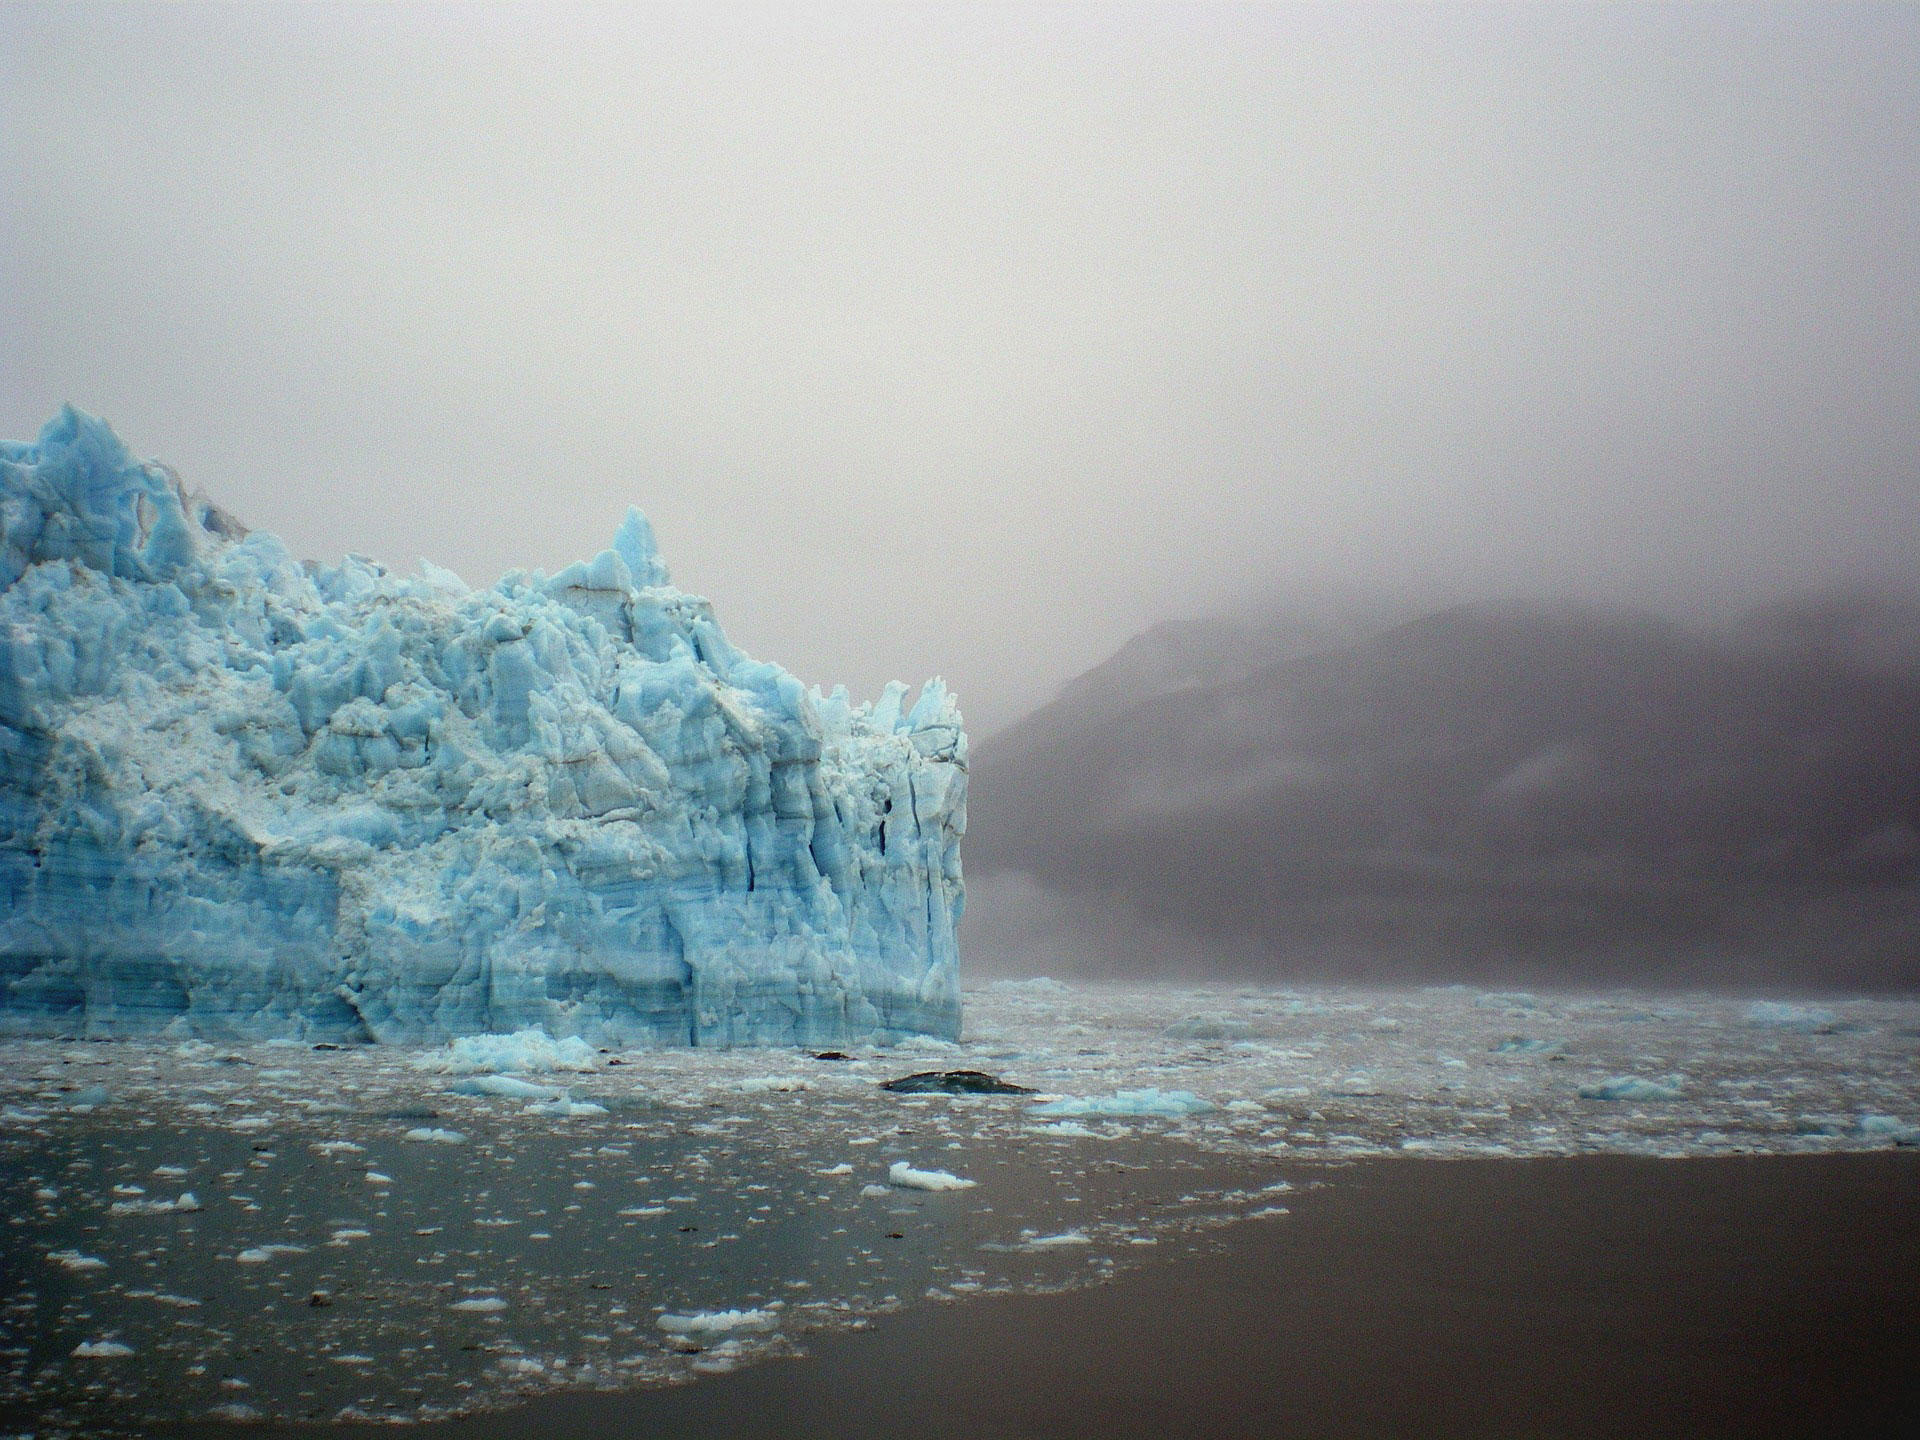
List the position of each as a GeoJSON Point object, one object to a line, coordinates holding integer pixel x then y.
{"type": "Point", "coordinates": [873, 1191]}
{"type": "Point", "coordinates": [1633, 1087]}
{"type": "Point", "coordinates": [184, 1203]}
{"type": "Point", "coordinates": [1523, 1045]}
{"type": "Point", "coordinates": [374, 1177]}
{"type": "Point", "coordinates": [1150, 1101]}
{"type": "Point", "coordinates": [1358, 1085]}
{"type": "Point", "coordinates": [74, 1260]}
{"type": "Point", "coordinates": [349, 1232]}
{"type": "Point", "coordinates": [1068, 1129]}
{"type": "Point", "coordinates": [762, 1084]}
{"type": "Point", "coordinates": [1212, 1027]}
{"type": "Point", "coordinates": [718, 1322]}
{"type": "Point", "coordinates": [1508, 1000]}
{"type": "Point", "coordinates": [1819, 1125]}
{"type": "Point", "coordinates": [565, 1109]}
{"type": "Point", "coordinates": [338, 1147]}
{"type": "Point", "coordinates": [1055, 1242]}
{"type": "Point", "coordinates": [260, 1254]}
{"type": "Point", "coordinates": [170, 1172]}
{"type": "Point", "coordinates": [1888, 1127]}
{"type": "Point", "coordinates": [525, 1052]}
{"type": "Point", "coordinates": [1807, 1019]}
{"type": "Point", "coordinates": [434, 1134]}
{"type": "Point", "coordinates": [1039, 985]}
{"type": "Point", "coordinates": [843, 1168]}
{"type": "Point", "coordinates": [505, 1086]}
{"type": "Point", "coordinates": [101, 1350]}
{"type": "Point", "coordinates": [905, 1176]}
{"type": "Point", "coordinates": [479, 1305]}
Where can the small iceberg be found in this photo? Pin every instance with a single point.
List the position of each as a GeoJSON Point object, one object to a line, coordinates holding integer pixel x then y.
{"type": "Point", "coordinates": [1171, 1104]}
{"type": "Point", "coordinates": [908, 1178]}
{"type": "Point", "coordinates": [1633, 1087]}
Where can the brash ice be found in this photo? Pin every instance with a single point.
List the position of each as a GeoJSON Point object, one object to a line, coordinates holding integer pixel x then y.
{"type": "Point", "coordinates": [245, 796]}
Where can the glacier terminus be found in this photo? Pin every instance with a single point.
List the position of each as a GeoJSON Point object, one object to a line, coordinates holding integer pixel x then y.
{"type": "Point", "coordinates": [248, 797]}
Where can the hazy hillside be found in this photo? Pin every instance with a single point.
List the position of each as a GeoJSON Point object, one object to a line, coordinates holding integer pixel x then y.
{"type": "Point", "coordinates": [1488, 791]}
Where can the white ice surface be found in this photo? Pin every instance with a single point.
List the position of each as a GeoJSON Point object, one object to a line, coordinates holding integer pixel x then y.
{"type": "Point", "coordinates": [909, 1178]}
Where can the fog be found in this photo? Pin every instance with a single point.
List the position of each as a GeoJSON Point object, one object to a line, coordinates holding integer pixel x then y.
{"type": "Point", "coordinates": [972, 341]}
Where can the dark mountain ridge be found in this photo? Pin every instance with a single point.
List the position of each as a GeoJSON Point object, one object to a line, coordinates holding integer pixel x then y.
{"type": "Point", "coordinates": [1558, 792]}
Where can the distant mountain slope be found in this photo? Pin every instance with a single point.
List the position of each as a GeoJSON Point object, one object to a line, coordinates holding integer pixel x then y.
{"type": "Point", "coordinates": [1532, 790]}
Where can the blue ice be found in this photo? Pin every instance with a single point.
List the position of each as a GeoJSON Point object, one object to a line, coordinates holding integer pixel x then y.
{"type": "Point", "coordinates": [246, 796]}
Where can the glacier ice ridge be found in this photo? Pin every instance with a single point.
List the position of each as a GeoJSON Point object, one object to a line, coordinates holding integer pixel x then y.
{"type": "Point", "coordinates": [250, 797]}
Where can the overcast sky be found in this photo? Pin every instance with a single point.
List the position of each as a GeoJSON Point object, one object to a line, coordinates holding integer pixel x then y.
{"type": "Point", "coordinates": [971, 340]}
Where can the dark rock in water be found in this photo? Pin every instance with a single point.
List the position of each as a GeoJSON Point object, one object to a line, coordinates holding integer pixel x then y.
{"type": "Point", "coordinates": [953, 1082]}
{"type": "Point", "coordinates": [832, 1055]}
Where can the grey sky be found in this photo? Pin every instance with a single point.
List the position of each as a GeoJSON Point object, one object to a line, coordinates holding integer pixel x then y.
{"type": "Point", "coordinates": [970, 340]}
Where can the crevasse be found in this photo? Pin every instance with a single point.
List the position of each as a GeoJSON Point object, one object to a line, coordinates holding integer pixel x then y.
{"type": "Point", "coordinates": [244, 796]}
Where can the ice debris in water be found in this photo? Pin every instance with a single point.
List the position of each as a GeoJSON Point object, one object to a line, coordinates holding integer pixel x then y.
{"type": "Point", "coordinates": [705, 1197]}
{"type": "Point", "coordinates": [717, 1322]}
{"type": "Point", "coordinates": [1633, 1087]}
{"type": "Point", "coordinates": [1889, 1127]}
{"type": "Point", "coordinates": [260, 1254]}
{"type": "Point", "coordinates": [564, 1108]}
{"type": "Point", "coordinates": [1150, 1101]}
{"type": "Point", "coordinates": [182, 1204]}
{"type": "Point", "coordinates": [525, 1052]}
{"type": "Point", "coordinates": [505, 1086]}
{"type": "Point", "coordinates": [908, 1178]}
{"type": "Point", "coordinates": [246, 796]}
{"type": "Point", "coordinates": [102, 1350]}
{"type": "Point", "coordinates": [1776, 1015]}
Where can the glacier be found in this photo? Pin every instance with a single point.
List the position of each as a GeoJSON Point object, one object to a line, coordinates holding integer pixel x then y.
{"type": "Point", "coordinates": [244, 796]}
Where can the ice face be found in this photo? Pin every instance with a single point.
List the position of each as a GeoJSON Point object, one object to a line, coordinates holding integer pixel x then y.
{"type": "Point", "coordinates": [247, 797]}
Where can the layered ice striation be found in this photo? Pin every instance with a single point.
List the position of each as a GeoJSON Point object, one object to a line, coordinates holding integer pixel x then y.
{"type": "Point", "coordinates": [245, 796]}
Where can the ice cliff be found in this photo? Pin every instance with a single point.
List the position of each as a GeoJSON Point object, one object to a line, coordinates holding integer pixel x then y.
{"type": "Point", "coordinates": [245, 796]}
